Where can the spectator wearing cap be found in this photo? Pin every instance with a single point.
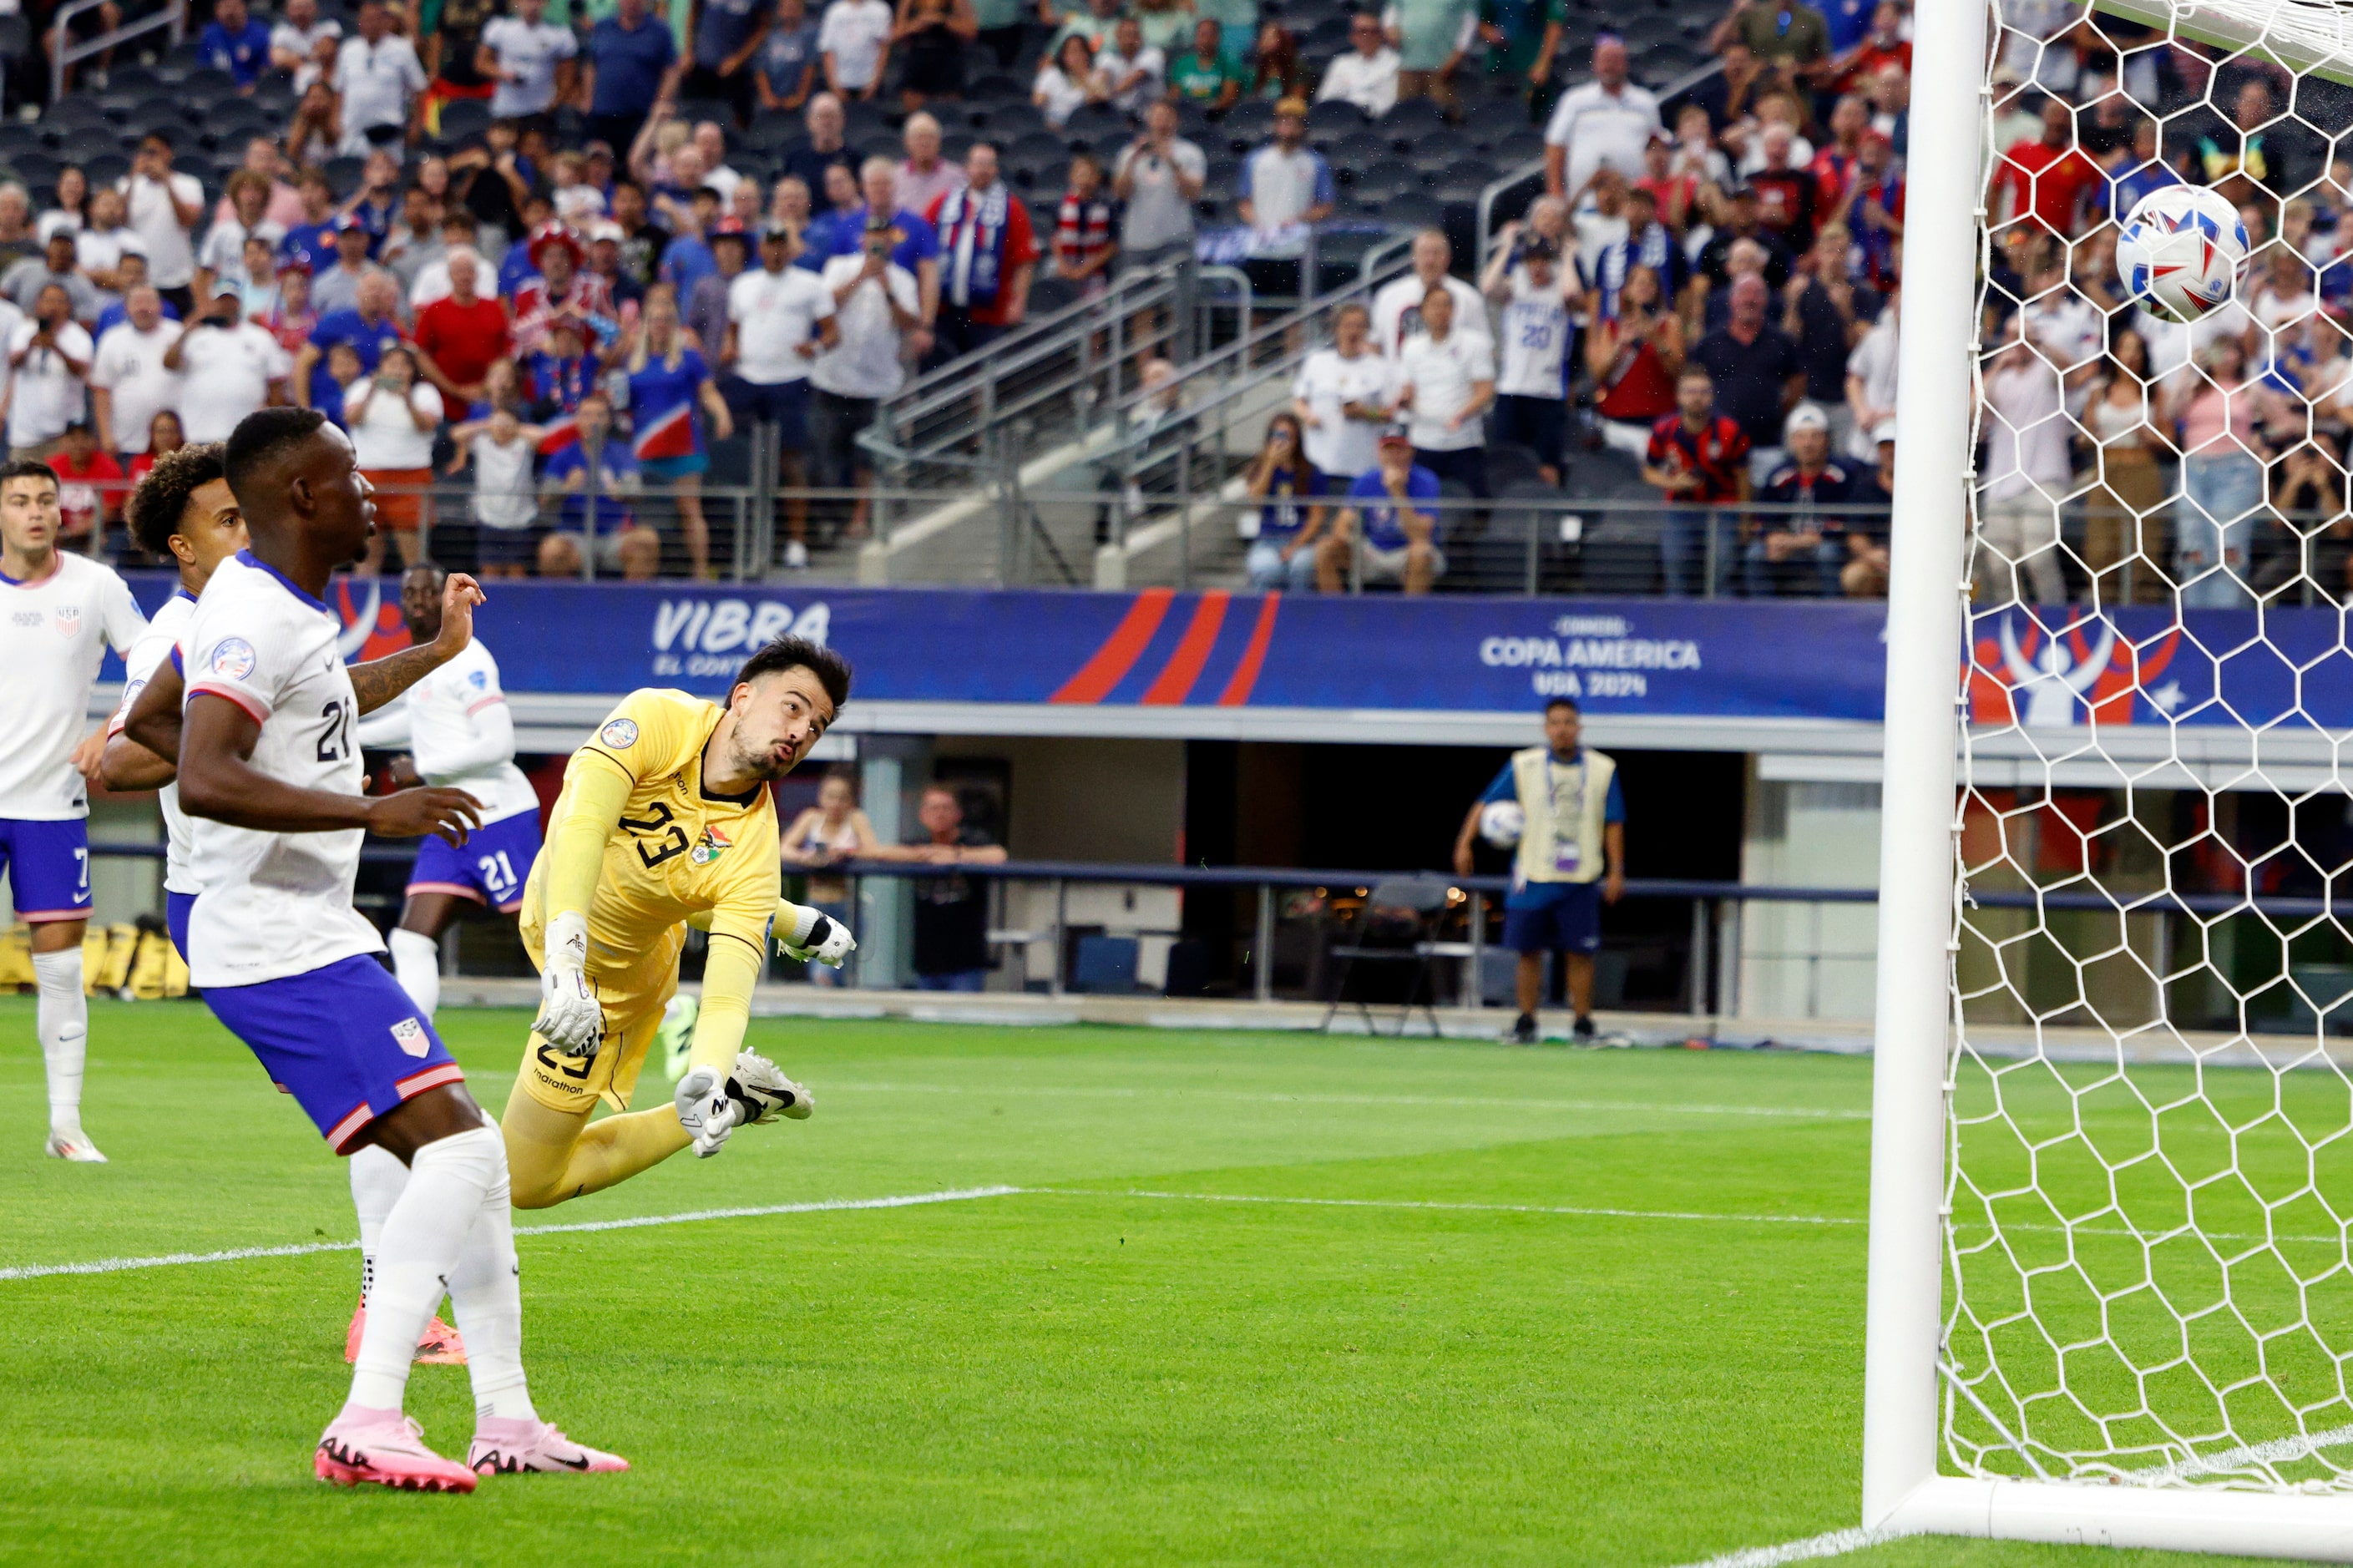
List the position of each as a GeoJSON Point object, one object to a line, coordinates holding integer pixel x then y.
{"type": "Point", "coordinates": [1392, 504]}
{"type": "Point", "coordinates": [632, 64]}
{"type": "Point", "coordinates": [458, 338]}
{"type": "Point", "coordinates": [604, 264]}
{"type": "Point", "coordinates": [379, 84]}
{"type": "Point", "coordinates": [369, 325]}
{"type": "Point", "coordinates": [1757, 375]}
{"type": "Point", "coordinates": [1864, 575]}
{"type": "Point", "coordinates": [1536, 297]}
{"type": "Point", "coordinates": [235, 41]}
{"type": "Point", "coordinates": [54, 266]}
{"type": "Point", "coordinates": [1606, 122]}
{"type": "Point", "coordinates": [1445, 383]}
{"type": "Point", "coordinates": [561, 289]}
{"type": "Point", "coordinates": [1699, 458]}
{"type": "Point", "coordinates": [1286, 182]}
{"type": "Point", "coordinates": [706, 305]}
{"type": "Point", "coordinates": [338, 287]}
{"type": "Point", "coordinates": [1367, 76]}
{"type": "Point", "coordinates": [1801, 548]}
{"type": "Point", "coordinates": [779, 319]}
{"type": "Point", "coordinates": [228, 368]}
{"type": "Point", "coordinates": [988, 254]}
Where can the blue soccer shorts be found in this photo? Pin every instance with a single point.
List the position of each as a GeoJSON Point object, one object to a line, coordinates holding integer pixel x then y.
{"type": "Point", "coordinates": [175, 919]}
{"type": "Point", "coordinates": [343, 1039]}
{"type": "Point", "coordinates": [489, 869]}
{"type": "Point", "coordinates": [47, 864]}
{"type": "Point", "coordinates": [1562, 917]}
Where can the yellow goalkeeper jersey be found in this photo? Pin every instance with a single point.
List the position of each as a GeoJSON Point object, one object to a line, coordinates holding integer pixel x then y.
{"type": "Point", "coordinates": [677, 850]}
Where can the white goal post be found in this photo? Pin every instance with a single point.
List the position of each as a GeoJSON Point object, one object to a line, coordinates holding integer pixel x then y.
{"type": "Point", "coordinates": [2057, 1413]}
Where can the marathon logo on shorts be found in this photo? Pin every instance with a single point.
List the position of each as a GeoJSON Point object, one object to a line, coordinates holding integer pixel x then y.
{"type": "Point", "coordinates": [68, 620]}
{"type": "Point", "coordinates": [410, 1037]}
{"type": "Point", "coordinates": [709, 848]}
{"type": "Point", "coordinates": [234, 658]}
{"type": "Point", "coordinates": [619, 733]}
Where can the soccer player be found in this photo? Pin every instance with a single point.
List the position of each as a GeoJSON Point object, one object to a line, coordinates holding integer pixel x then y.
{"type": "Point", "coordinates": [184, 511]}
{"type": "Point", "coordinates": [666, 819]}
{"type": "Point", "coordinates": [460, 735]}
{"type": "Point", "coordinates": [270, 774]}
{"type": "Point", "coordinates": [63, 612]}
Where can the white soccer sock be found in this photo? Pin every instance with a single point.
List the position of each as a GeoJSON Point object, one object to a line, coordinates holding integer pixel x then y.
{"type": "Point", "coordinates": [378, 1179]}
{"type": "Point", "coordinates": [423, 1237]}
{"type": "Point", "coordinates": [62, 1016]}
{"type": "Point", "coordinates": [417, 961]}
{"type": "Point", "coordinates": [486, 1292]}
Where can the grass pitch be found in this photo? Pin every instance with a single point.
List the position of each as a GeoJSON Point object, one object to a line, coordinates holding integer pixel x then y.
{"type": "Point", "coordinates": [1259, 1299]}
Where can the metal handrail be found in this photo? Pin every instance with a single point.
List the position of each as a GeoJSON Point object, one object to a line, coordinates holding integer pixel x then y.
{"type": "Point", "coordinates": [175, 16]}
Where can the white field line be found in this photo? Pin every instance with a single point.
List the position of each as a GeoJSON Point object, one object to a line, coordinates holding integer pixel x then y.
{"type": "Point", "coordinates": [1836, 1544]}
{"type": "Point", "coordinates": [239, 1254]}
{"type": "Point", "coordinates": [2296, 1445]}
{"type": "Point", "coordinates": [1500, 1102]}
{"type": "Point", "coordinates": [1474, 1208]}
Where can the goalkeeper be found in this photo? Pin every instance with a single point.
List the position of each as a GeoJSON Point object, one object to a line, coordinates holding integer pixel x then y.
{"type": "Point", "coordinates": [665, 821]}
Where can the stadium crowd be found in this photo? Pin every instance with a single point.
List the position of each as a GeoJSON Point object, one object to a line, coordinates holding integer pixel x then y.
{"type": "Point", "coordinates": [499, 245]}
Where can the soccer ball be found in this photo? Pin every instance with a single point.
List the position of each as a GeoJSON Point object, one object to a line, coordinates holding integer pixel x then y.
{"type": "Point", "coordinates": [1500, 823]}
{"type": "Point", "coordinates": [2180, 251]}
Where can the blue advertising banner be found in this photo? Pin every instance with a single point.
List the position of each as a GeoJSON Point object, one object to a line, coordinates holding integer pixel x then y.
{"type": "Point", "coordinates": [1734, 659]}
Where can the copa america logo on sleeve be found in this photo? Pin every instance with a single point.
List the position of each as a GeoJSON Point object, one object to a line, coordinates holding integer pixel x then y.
{"type": "Point", "coordinates": [619, 733]}
{"type": "Point", "coordinates": [234, 658]}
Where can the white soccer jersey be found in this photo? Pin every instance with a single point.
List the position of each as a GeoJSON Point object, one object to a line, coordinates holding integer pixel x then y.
{"type": "Point", "coordinates": [55, 637]}
{"type": "Point", "coordinates": [1535, 340]}
{"type": "Point", "coordinates": [273, 904]}
{"type": "Point", "coordinates": [139, 666]}
{"type": "Point", "coordinates": [457, 727]}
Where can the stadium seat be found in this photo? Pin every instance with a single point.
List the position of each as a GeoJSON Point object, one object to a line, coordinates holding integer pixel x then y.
{"type": "Point", "coordinates": [1507, 462]}
{"type": "Point", "coordinates": [37, 168]}
{"type": "Point", "coordinates": [1002, 88]}
{"type": "Point", "coordinates": [1520, 147]}
{"type": "Point", "coordinates": [1251, 120]}
{"type": "Point", "coordinates": [1038, 149]}
{"type": "Point", "coordinates": [1334, 118]}
{"type": "Point", "coordinates": [1413, 209]}
{"type": "Point", "coordinates": [1093, 119]}
{"type": "Point", "coordinates": [207, 83]}
{"type": "Point", "coordinates": [1047, 295]}
{"type": "Point", "coordinates": [1487, 124]}
{"type": "Point", "coordinates": [344, 174]}
{"type": "Point", "coordinates": [1411, 119]}
{"type": "Point", "coordinates": [106, 168]}
{"type": "Point", "coordinates": [465, 117]}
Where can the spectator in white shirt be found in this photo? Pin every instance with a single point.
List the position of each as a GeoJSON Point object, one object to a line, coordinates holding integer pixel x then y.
{"type": "Point", "coordinates": [1287, 182]}
{"type": "Point", "coordinates": [779, 319]}
{"type": "Point", "coordinates": [1608, 121]}
{"type": "Point", "coordinates": [1131, 73]}
{"type": "Point", "coordinates": [129, 381]}
{"type": "Point", "coordinates": [163, 207]}
{"type": "Point", "coordinates": [1396, 309]}
{"type": "Point", "coordinates": [392, 416]}
{"type": "Point", "coordinates": [102, 244]}
{"type": "Point", "coordinates": [48, 365]}
{"type": "Point", "coordinates": [1445, 381]}
{"type": "Point", "coordinates": [303, 44]}
{"type": "Point", "coordinates": [379, 86]}
{"type": "Point", "coordinates": [223, 254]}
{"type": "Point", "coordinates": [1341, 395]}
{"type": "Point", "coordinates": [533, 60]}
{"type": "Point", "coordinates": [875, 309]}
{"type": "Point", "coordinates": [228, 367]}
{"type": "Point", "coordinates": [854, 41]}
{"type": "Point", "coordinates": [1367, 76]}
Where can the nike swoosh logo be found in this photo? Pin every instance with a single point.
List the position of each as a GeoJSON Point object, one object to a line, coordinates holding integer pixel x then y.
{"type": "Point", "coordinates": [579, 1464]}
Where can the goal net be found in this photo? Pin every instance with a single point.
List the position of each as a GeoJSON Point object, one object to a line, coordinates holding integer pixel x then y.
{"type": "Point", "coordinates": [2144, 1291]}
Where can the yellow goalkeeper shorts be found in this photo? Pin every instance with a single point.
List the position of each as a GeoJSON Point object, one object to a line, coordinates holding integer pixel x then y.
{"type": "Point", "coordinates": [632, 999]}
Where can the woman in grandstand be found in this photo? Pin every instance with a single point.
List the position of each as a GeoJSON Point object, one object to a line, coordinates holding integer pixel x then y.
{"type": "Point", "coordinates": [2313, 550]}
{"type": "Point", "coordinates": [1066, 82]}
{"type": "Point", "coordinates": [821, 837]}
{"type": "Point", "coordinates": [317, 129]}
{"type": "Point", "coordinates": [70, 209]}
{"type": "Point", "coordinates": [163, 434]}
{"type": "Point", "coordinates": [2123, 524]}
{"type": "Point", "coordinates": [788, 204]}
{"type": "Point", "coordinates": [1634, 359]}
{"type": "Point", "coordinates": [931, 36]}
{"type": "Point", "coordinates": [1275, 70]}
{"type": "Point", "coordinates": [392, 416]}
{"type": "Point", "coordinates": [1282, 479]}
{"type": "Point", "coordinates": [2223, 454]}
{"type": "Point", "coordinates": [671, 396]}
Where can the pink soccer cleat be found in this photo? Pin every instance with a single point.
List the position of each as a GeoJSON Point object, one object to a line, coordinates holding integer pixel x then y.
{"type": "Point", "coordinates": [386, 1449]}
{"type": "Point", "coordinates": [511, 1448]}
{"type": "Point", "coordinates": [437, 1345]}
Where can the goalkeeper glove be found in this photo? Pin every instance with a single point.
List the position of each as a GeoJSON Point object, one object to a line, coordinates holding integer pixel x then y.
{"type": "Point", "coordinates": [705, 1109]}
{"type": "Point", "coordinates": [569, 1017]}
{"type": "Point", "coordinates": [818, 937]}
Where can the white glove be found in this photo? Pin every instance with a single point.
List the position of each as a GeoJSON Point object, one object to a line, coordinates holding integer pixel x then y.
{"type": "Point", "coordinates": [821, 938]}
{"type": "Point", "coordinates": [705, 1109]}
{"type": "Point", "coordinates": [569, 1018]}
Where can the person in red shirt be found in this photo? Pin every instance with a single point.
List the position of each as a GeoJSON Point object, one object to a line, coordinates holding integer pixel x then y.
{"type": "Point", "coordinates": [2050, 179]}
{"type": "Point", "coordinates": [1837, 165]}
{"type": "Point", "coordinates": [1700, 458]}
{"type": "Point", "coordinates": [459, 338]}
{"type": "Point", "coordinates": [988, 255]}
{"type": "Point", "coordinates": [90, 484]}
{"type": "Point", "coordinates": [1788, 204]}
{"type": "Point", "coordinates": [1883, 45]}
